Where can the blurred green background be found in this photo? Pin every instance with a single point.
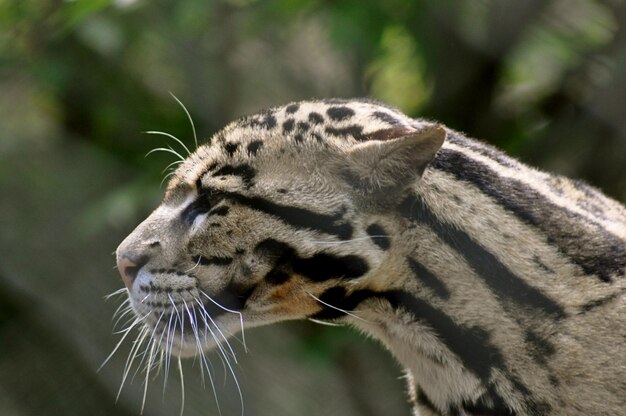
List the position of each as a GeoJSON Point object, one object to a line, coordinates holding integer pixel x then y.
{"type": "Point", "coordinates": [81, 80]}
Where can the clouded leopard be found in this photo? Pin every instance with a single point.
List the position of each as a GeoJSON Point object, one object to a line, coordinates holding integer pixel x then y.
{"type": "Point", "coordinates": [500, 288]}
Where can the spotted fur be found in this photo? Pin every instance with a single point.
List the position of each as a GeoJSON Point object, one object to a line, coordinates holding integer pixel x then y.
{"type": "Point", "coordinates": [500, 288]}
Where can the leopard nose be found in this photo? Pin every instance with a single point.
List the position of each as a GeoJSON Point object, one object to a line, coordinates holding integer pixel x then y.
{"type": "Point", "coordinates": [129, 265]}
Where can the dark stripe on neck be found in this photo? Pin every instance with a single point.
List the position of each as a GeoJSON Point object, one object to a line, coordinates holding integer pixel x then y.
{"type": "Point", "coordinates": [471, 345]}
{"type": "Point", "coordinates": [588, 244]}
{"type": "Point", "coordinates": [483, 149]}
{"type": "Point", "coordinates": [429, 279]}
{"type": "Point", "coordinates": [296, 217]}
{"type": "Point", "coordinates": [496, 275]}
{"type": "Point", "coordinates": [424, 401]}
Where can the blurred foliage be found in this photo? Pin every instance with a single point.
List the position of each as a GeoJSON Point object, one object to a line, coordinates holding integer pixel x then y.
{"type": "Point", "coordinates": [81, 80]}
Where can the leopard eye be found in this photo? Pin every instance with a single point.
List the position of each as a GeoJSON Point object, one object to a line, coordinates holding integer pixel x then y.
{"type": "Point", "coordinates": [203, 203]}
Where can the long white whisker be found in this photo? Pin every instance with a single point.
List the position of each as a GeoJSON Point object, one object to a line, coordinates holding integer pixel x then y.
{"type": "Point", "coordinates": [193, 128]}
{"type": "Point", "coordinates": [208, 364]}
{"type": "Point", "coordinates": [349, 241]}
{"type": "Point", "coordinates": [148, 366]}
{"type": "Point", "coordinates": [166, 150]}
{"type": "Point", "coordinates": [131, 358]}
{"type": "Point", "coordinates": [182, 387]}
{"type": "Point", "coordinates": [127, 331]}
{"type": "Point", "coordinates": [181, 318]}
{"type": "Point", "coordinates": [336, 308]}
{"type": "Point", "coordinates": [174, 163]}
{"type": "Point", "coordinates": [171, 136]}
{"type": "Point", "coordinates": [207, 328]}
{"type": "Point", "coordinates": [127, 311]}
{"type": "Point", "coordinates": [125, 303]}
{"type": "Point", "coordinates": [221, 349]}
{"type": "Point", "coordinates": [168, 349]}
{"type": "Point", "coordinates": [206, 313]}
{"type": "Point", "coordinates": [243, 335]}
{"type": "Point", "coordinates": [118, 292]}
{"type": "Point", "coordinates": [317, 321]}
{"type": "Point", "coordinates": [196, 265]}
{"type": "Point", "coordinates": [165, 178]}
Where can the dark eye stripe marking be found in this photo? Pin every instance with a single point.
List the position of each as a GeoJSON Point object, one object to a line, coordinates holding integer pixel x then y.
{"type": "Point", "coordinates": [601, 254]}
{"type": "Point", "coordinates": [495, 274]}
{"type": "Point", "coordinates": [379, 236]}
{"type": "Point", "coordinates": [340, 113]}
{"type": "Point", "coordinates": [201, 205]}
{"type": "Point", "coordinates": [245, 172]}
{"type": "Point", "coordinates": [297, 217]}
{"type": "Point", "coordinates": [429, 279]}
{"type": "Point", "coordinates": [215, 260]}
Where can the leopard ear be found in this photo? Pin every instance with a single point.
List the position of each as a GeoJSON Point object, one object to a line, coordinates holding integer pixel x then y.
{"type": "Point", "coordinates": [392, 159]}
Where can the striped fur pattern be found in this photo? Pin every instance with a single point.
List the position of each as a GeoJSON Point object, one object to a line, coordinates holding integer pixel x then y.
{"type": "Point", "coordinates": [500, 288]}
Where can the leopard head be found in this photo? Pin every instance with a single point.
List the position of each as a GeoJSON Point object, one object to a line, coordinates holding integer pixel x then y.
{"type": "Point", "coordinates": [279, 213]}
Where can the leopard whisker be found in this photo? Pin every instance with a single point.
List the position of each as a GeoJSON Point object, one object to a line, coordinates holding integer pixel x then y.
{"type": "Point", "coordinates": [129, 320]}
{"type": "Point", "coordinates": [166, 150]}
{"type": "Point", "coordinates": [148, 367]}
{"type": "Point", "coordinates": [182, 387]}
{"type": "Point", "coordinates": [317, 321]}
{"type": "Point", "coordinates": [196, 265]}
{"type": "Point", "coordinates": [205, 315]}
{"type": "Point", "coordinates": [223, 352]}
{"type": "Point", "coordinates": [125, 303]}
{"type": "Point", "coordinates": [118, 292]}
{"type": "Point", "coordinates": [336, 308]}
{"type": "Point", "coordinates": [168, 349]}
{"type": "Point", "coordinates": [171, 136]}
{"type": "Point", "coordinates": [202, 359]}
{"type": "Point", "coordinates": [131, 358]}
{"type": "Point", "coordinates": [117, 346]}
{"type": "Point", "coordinates": [243, 335]}
{"type": "Point", "coordinates": [171, 165]}
{"type": "Point", "coordinates": [167, 176]}
{"type": "Point", "coordinates": [350, 240]}
{"type": "Point", "coordinates": [193, 127]}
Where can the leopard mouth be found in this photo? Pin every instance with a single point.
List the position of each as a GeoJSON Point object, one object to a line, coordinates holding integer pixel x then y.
{"type": "Point", "coordinates": [181, 317]}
